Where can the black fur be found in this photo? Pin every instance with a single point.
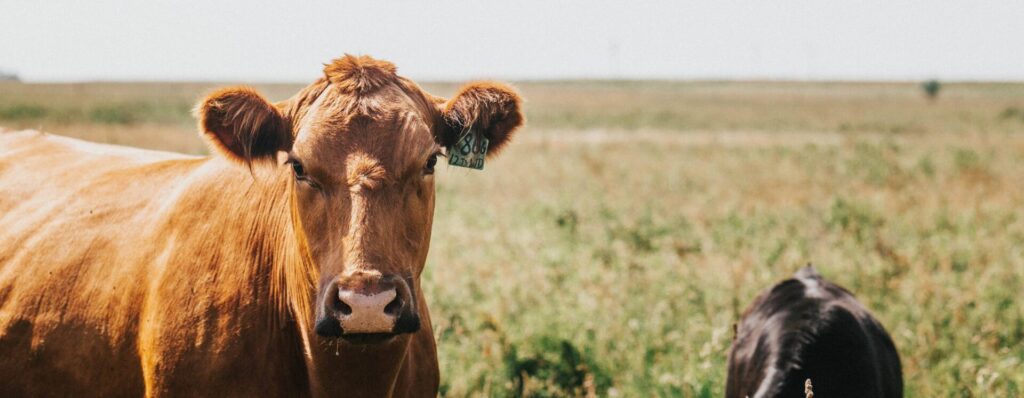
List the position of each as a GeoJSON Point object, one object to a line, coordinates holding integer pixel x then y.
{"type": "Point", "coordinates": [809, 328]}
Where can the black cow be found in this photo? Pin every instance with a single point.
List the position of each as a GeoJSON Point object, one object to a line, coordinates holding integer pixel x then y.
{"type": "Point", "coordinates": [809, 328]}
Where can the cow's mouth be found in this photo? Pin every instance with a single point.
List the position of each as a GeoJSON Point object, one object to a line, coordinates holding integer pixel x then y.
{"type": "Point", "coordinates": [368, 338]}
{"type": "Point", "coordinates": [330, 327]}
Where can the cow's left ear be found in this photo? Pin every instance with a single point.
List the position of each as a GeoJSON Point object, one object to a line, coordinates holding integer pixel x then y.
{"type": "Point", "coordinates": [487, 108]}
{"type": "Point", "coordinates": [242, 125]}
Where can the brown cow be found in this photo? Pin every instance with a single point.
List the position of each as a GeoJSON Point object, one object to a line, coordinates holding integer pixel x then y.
{"type": "Point", "coordinates": [807, 328]}
{"type": "Point", "coordinates": [287, 264]}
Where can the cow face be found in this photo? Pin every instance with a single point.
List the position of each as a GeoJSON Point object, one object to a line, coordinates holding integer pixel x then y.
{"type": "Point", "coordinates": [361, 146]}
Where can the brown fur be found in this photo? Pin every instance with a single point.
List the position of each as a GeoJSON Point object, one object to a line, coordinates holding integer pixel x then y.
{"type": "Point", "coordinates": [359, 75]}
{"type": "Point", "coordinates": [130, 272]}
{"type": "Point", "coordinates": [489, 108]}
{"type": "Point", "coordinates": [240, 124]}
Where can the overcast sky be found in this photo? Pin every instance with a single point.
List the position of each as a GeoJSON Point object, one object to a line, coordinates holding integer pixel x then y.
{"type": "Point", "coordinates": [64, 40]}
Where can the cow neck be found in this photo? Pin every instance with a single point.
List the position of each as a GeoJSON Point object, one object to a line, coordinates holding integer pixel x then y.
{"type": "Point", "coordinates": [279, 268]}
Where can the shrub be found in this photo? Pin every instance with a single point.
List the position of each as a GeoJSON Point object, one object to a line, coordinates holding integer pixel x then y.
{"type": "Point", "coordinates": [931, 89]}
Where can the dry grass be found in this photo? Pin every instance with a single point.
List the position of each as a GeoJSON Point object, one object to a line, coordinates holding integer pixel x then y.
{"type": "Point", "coordinates": [612, 247]}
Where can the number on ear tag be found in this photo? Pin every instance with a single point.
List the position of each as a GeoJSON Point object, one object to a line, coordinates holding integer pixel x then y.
{"type": "Point", "coordinates": [469, 151]}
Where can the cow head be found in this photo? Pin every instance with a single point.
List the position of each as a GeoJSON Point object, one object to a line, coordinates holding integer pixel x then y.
{"type": "Point", "coordinates": [361, 145]}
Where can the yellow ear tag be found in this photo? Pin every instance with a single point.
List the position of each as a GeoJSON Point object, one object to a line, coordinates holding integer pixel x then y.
{"type": "Point", "coordinates": [469, 151]}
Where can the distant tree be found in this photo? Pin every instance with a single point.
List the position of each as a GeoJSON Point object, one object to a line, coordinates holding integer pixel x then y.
{"type": "Point", "coordinates": [931, 88]}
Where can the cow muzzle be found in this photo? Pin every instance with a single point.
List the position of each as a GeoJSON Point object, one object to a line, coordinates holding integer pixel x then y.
{"type": "Point", "coordinates": [367, 307]}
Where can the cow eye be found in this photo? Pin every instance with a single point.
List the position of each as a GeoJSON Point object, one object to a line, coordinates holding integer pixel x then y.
{"type": "Point", "coordinates": [428, 169]}
{"type": "Point", "coordinates": [300, 173]}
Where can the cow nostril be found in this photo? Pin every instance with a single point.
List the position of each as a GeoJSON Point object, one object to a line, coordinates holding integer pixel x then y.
{"type": "Point", "coordinates": [394, 306]}
{"type": "Point", "coordinates": [342, 307]}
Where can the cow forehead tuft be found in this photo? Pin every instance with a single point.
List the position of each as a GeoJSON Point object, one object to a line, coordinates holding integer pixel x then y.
{"type": "Point", "coordinates": [365, 172]}
{"type": "Point", "coordinates": [360, 75]}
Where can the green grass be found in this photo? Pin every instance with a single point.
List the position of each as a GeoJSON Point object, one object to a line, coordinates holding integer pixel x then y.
{"type": "Point", "coordinates": [613, 246]}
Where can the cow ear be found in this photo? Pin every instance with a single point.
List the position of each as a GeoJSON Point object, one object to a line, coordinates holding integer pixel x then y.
{"type": "Point", "coordinates": [240, 124]}
{"type": "Point", "coordinates": [490, 109]}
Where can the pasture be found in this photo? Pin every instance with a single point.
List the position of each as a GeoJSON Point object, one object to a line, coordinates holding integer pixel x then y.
{"type": "Point", "coordinates": [614, 244]}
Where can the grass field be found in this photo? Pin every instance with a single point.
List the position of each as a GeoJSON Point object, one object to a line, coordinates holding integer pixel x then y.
{"type": "Point", "coordinates": [613, 246]}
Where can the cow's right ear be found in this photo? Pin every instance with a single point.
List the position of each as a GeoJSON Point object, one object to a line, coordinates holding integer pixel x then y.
{"type": "Point", "coordinates": [242, 125]}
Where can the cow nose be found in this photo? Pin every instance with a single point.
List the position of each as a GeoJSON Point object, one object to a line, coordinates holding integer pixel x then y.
{"type": "Point", "coordinates": [367, 303]}
{"type": "Point", "coordinates": [373, 312]}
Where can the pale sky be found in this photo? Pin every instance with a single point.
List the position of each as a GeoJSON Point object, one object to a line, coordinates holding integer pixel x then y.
{"type": "Point", "coordinates": [73, 40]}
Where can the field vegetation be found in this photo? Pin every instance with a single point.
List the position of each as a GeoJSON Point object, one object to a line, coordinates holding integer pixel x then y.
{"type": "Point", "coordinates": [610, 250]}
